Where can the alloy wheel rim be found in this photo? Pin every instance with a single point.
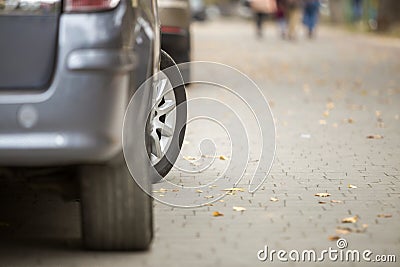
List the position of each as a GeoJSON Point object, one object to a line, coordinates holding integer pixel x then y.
{"type": "Point", "coordinates": [163, 119]}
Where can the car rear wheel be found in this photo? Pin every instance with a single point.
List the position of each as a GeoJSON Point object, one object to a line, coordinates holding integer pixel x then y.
{"type": "Point", "coordinates": [116, 213]}
{"type": "Point", "coordinates": [167, 123]}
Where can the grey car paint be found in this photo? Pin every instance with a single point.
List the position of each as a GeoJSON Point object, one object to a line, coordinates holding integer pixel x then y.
{"type": "Point", "coordinates": [78, 117]}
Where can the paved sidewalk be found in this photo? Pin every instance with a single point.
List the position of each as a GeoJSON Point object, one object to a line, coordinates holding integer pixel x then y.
{"type": "Point", "coordinates": [327, 96]}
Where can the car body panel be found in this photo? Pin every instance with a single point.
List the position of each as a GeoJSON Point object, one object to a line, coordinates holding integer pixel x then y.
{"type": "Point", "coordinates": [78, 118]}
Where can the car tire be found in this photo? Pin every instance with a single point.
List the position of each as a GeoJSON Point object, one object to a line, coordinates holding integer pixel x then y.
{"type": "Point", "coordinates": [116, 213]}
{"type": "Point", "coordinates": [166, 163]}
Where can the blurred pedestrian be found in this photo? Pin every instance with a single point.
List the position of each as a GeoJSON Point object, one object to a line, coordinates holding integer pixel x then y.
{"type": "Point", "coordinates": [281, 17]}
{"type": "Point", "coordinates": [357, 10]}
{"type": "Point", "coordinates": [261, 9]}
{"type": "Point", "coordinates": [310, 15]}
{"type": "Point", "coordinates": [293, 16]}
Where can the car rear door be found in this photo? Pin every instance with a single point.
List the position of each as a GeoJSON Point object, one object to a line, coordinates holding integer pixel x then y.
{"type": "Point", "coordinates": [28, 43]}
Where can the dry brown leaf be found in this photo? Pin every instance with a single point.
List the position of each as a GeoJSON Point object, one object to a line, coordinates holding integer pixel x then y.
{"type": "Point", "coordinates": [350, 120]}
{"type": "Point", "coordinates": [333, 237]}
{"type": "Point", "coordinates": [217, 214]}
{"type": "Point", "coordinates": [239, 209]}
{"type": "Point", "coordinates": [384, 215]}
{"type": "Point", "coordinates": [273, 199]}
{"type": "Point", "coordinates": [353, 219]}
{"type": "Point", "coordinates": [322, 195]}
{"type": "Point", "coordinates": [234, 189]}
{"type": "Point", "coordinates": [352, 186]}
{"type": "Point", "coordinates": [375, 136]}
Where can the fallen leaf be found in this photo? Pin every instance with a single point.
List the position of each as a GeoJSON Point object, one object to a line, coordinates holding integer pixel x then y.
{"type": "Point", "coordinates": [208, 197]}
{"type": "Point", "coordinates": [375, 136]}
{"type": "Point", "coordinates": [273, 199]}
{"type": "Point", "coordinates": [330, 105]}
{"type": "Point", "coordinates": [175, 190]}
{"type": "Point", "coordinates": [352, 186]}
{"type": "Point", "coordinates": [239, 209]}
{"type": "Point", "coordinates": [189, 158]}
{"type": "Point", "coordinates": [336, 201]}
{"type": "Point", "coordinates": [353, 219]}
{"type": "Point", "coordinates": [322, 195]}
{"type": "Point", "coordinates": [222, 157]}
{"type": "Point", "coordinates": [343, 230]}
{"type": "Point", "coordinates": [322, 122]}
{"type": "Point", "coordinates": [321, 202]}
{"type": "Point", "coordinates": [199, 191]}
{"type": "Point", "coordinates": [217, 214]}
{"type": "Point", "coordinates": [384, 215]}
{"type": "Point", "coordinates": [161, 190]}
{"type": "Point", "coordinates": [333, 237]}
{"type": "Point", "coordinates": [234, 189]}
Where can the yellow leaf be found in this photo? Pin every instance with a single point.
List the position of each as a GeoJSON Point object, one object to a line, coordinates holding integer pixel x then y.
{"type": "Point", "coordinates": [189, 158]}
{"type": "Point", "coordinates": [333, 237]}
{"type": "Point", "coordinates": [322, 195]}
{"type": "Point", "coordinates": [352, 186]}
{"type": "Point", "coordinates": [273, 199]}
{"type": "Point", "coordinates": [217, 214]}
{"type": "Point", "coordinates": [353, 219]}
{"type": "Point", "coordinates": [199, 191]}
{"type": "Point", "coordinates": [384, 215]}
{"type": "Point", "coordinates": [222, 157]}
{"type": "Point", "coordinates": [330, 105]}
{"type": "Point", "coordinates": [343, 230]}
{"type": "Point", "coordinates": [239, 209]}
{"type": "Point", "coordinates": [375, 136]}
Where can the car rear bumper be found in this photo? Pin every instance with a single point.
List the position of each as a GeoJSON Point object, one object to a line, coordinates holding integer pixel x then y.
{"type": "Point", "coordinates": [78, 118]}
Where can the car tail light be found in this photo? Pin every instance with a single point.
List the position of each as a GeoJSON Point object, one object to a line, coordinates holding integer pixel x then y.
{"type": "Point", "coordinates": [89, 5]}
{"type": "Point", "coordinates": [172, 29]}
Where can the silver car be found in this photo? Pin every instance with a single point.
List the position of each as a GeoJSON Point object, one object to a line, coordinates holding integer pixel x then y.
{"type": "Point", "coordinates": [67, 71]}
